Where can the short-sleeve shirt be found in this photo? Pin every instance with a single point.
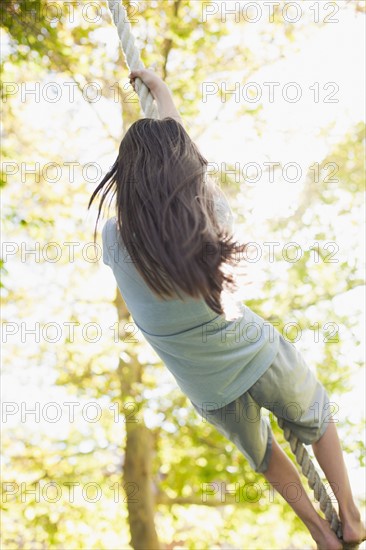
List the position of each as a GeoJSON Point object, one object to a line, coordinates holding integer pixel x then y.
{"type": "Point", "coordinates": [212, 359]}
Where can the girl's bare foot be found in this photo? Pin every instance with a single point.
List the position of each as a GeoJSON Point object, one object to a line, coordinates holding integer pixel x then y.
{"type": "Point", "coordinates": [324, 537]}
{"type": "Point", "coordinates": [354, 530]}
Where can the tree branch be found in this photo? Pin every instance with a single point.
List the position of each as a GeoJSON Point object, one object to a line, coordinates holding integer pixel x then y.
{"type": "Point", "coordinates": [162, 498]}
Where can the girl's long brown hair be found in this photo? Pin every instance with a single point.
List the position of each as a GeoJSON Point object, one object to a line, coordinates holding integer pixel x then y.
{"type": "Point", "coordinates": [165, 213]}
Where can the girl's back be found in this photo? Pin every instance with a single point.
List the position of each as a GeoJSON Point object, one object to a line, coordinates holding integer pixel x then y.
{"type": "Point", "coordinates": [212, 359]}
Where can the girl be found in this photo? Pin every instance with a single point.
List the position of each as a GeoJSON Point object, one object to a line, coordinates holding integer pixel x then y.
{"type": "Point", "coordinates": [171, 250]}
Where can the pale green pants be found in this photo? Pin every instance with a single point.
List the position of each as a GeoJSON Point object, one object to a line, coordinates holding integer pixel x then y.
{"type": "Point", "coordinates": [290, 390]}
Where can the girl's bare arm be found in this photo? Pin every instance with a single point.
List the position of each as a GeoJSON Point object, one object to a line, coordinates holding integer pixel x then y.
{"type": "Point", "coordinates": [160, 92]}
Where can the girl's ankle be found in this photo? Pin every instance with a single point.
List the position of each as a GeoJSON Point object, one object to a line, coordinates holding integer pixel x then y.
{"type": "Point", "coordinates": [350, 514]}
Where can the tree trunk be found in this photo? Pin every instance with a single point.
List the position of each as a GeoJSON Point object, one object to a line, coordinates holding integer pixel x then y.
{"type": "Point", "coordinates": [138, 485]}
{"type": "Point", "coordinates": [137, 477]}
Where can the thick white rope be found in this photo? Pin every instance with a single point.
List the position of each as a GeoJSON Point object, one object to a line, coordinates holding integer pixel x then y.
{"type": "Point", "coordinates": [132, 55]}
{"type": "Point", "coordinates": [315, 483]}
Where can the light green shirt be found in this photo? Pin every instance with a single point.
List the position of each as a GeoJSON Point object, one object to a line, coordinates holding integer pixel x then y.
{"type": "Point", "coordinates": [213, 360]}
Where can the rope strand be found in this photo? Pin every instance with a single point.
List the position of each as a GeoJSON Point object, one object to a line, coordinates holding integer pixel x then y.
{"type": "Point", "coordinates": [132, 55]}
{"type": "Point", "coordinates": [315, 483]}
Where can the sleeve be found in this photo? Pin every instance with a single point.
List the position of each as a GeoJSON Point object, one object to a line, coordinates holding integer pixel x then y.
{"type": "Point", "coordinates": [223, 211]}
{"type": "Point", "coordinates": [105, 251]}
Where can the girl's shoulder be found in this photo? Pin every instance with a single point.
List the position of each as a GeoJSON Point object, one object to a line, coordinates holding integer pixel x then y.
{"type": "Point", "coordinates": [109, 238]}
{"type": "Point", "coordinates": [222, 208]}
{"type": "Point", "coordinates": [109, 226]}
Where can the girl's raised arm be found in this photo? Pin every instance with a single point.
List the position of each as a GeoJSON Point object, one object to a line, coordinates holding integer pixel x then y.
{"type": "Point", "coordinates": [160, 92]}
